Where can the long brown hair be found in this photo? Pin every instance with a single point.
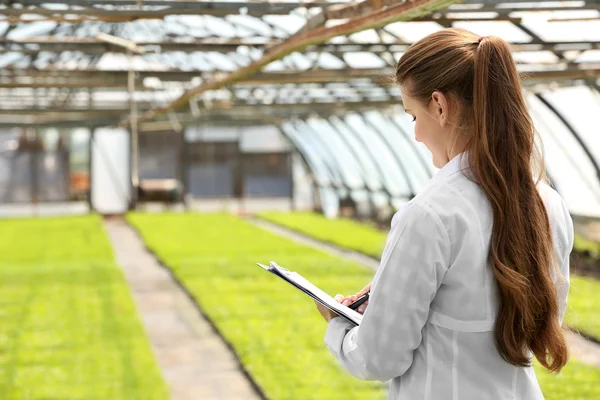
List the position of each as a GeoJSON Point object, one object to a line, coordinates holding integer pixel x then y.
{"type": "Point", "coordinates": [480, 76]}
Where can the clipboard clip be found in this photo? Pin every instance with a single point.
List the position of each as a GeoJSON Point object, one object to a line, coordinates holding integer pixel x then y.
{"type": "Point", "coordinates": [264, 266]}
{"type": "Point", "coordinates": [286, 271]}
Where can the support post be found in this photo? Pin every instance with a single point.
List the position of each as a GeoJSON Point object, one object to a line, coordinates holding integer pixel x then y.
{"type": "Point", "coordinates": [133, 128]}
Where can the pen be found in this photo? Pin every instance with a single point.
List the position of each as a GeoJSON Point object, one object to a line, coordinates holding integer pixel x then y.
{"type": "Point", "coordinates": [359, 301]}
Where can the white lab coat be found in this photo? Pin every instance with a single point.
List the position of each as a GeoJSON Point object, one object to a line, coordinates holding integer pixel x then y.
{"type": "Point", "coordinates": [429, 324]}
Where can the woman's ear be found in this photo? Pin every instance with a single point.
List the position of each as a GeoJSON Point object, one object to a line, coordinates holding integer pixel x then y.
{"type": "Point", "coordinates": [441, 107]}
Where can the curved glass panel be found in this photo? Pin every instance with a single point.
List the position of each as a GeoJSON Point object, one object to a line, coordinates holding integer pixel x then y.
{"type": "Point", "coordinates": [342, 192]}
{"type": "Point", "coordinates": [388, 165]}
{"type": "Point", "coordinates": [414, 168]}
{"type": "Point", "coordinates": [363, 196]}
{"type": "Point", "coordinates": [380, 200]}
{"type": "Point", "coordinates": [563, 31]}
{"type": "Point", "coordinates": [389, 144]}
{"type": "Point", "coordinates": [322, 174]}
{"type": "Point", "coordinates": [571, 171]}
{"type": "Point", "coordinates": [596, 92]}
{"type": "Point", "coordinates": [372, 176]}
{"type": "Point", "coordinates": [314, 141]}
{"type": "Point", "coordinates": [360, 196]}
{"type": "Point", "coordinates": [351, 171]}
{"type": "Point", "coordinates": [330, 203]}
{"type": "Point", "coordinates": [504, 29]}
{"type": "Point", "coordinates": [579, 106]}
{"type": "Point", "coordinates": [407, 126]}
{"type": "Point", "coordinates": [397, 203]}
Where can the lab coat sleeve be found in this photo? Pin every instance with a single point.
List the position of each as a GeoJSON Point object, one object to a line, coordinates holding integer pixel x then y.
{"type": "Point", "coordinates": [415, 258]}
{"type": "Point", "coordinates": [562, 281]}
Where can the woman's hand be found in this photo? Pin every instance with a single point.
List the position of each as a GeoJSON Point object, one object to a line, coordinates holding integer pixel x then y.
{"type": "Point", "coordinates": [351, 299]}
{"type": "Point", "coordinates": [329, 315]}
{"type": "Point", "coordinates": [326, 312]}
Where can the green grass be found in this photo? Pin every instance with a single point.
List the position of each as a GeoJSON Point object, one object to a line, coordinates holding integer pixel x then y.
{"type": "Point", "coordinates": [275, 330]}
{"type": "Point", "coordinates": [583, 312]}
{"type": "Point", "coordinates": [340, 231]}
{"type": "Point", "coordinates": [575, 382]}
{"type": "Point", "coordinates": [69, 327]}
{"type": "Point", "coordinates": [584, 296]}
{"type": "Point", "coordinates": [583, 244]}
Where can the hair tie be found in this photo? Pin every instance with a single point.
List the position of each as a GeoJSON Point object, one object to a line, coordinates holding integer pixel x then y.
{"type": "Point", "coordinates": [480, 39]}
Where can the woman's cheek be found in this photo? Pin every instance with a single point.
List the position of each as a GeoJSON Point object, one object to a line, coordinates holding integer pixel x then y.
{"type": "Point", "coordinates": [418, 134]}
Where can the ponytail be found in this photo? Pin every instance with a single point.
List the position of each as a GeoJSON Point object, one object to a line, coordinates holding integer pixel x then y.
{"type": "Point", "coordinates": [521, 252]}
{"type": "Point", "coordinates": [482, 75]}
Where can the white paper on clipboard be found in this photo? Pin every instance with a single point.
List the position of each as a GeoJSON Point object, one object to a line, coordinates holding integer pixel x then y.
{"type": "Point", "coordinates": [302, 284]}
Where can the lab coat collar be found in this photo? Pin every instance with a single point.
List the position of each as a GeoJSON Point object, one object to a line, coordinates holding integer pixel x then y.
{"type": "Point", "coordinates": [460, 163]}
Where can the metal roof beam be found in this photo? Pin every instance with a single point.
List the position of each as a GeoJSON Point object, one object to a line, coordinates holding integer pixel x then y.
{"type": "Point", "coordinates": [356, 8]}
{"type": "Point", "coordinates": [95, 46]}
{"type": "Point", "coordinates": [16, 15]}
{"type": "Point", "coordinates": [100, 78]}
{"type": "Point", "coordinates": [118, 79]}
{"type": "Point", "coordinates": [269, 6]}
{"type": "Point", "coordinates": [528, 6]}
{"type": "Point", "coordinates": [19, 117]}
{"type": "Point", "coordinates": [405, 10]}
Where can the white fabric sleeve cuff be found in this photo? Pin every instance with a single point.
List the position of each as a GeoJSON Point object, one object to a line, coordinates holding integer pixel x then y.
{"type": "Point", "coordinates": [336, 331]}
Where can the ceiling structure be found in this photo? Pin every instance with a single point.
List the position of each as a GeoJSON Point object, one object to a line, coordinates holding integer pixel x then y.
{"type": "Point", "coordinates": [85, 62]}
{"type": "Point", "coordinates": [318, 70]}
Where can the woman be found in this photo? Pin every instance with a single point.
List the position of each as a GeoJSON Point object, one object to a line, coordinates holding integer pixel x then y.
{"type": "Point", "coordinates": [473, 280]}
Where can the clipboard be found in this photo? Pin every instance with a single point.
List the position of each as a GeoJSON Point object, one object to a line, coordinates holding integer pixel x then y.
{"type": "Point", "coordinates": [302, 284]}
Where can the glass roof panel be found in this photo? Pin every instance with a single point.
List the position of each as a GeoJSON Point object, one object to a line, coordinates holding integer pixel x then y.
{"type": "Point", "coordinates": [318, 167]}
{"type": "Point", "coordinates": [222, 27]}
{"type": "Point", "coordinates": [588, 56]}
{"type": "Point", "coordinates": [33, 29]}
{"type": "Point", "coordinates": [289, 23]}
{"type": "Point", "coordinates": [256, 25]}
{"type": "Point", "coordinates": [580, 108]}
{"type": "Point", "coordinates": [530, 57]}
{"type": "Point", "coordinates": [199, 61]}
{"type": "Point", "coordinates": [299, 60]}
{"type": "Point", "coordinates": [309, 138]}
{"type": "Point", "coordinates": [410, 32]}
{"type": "Point", "coordinates": [330, 202]}
{"type": "Point", "coordinates": [275, 66]}
{"type": "Point", "coordinates": [371, 174]}
{"type": "Point", "coordinates": [397, 203]}
{"type": "Point", "coordinates": [313, 141]}
{"type": "Point", "coordinates": [222, 61]}
{"type": "Point", "coordinates": [388, 164]}
{"type": "Point", "coordinates": [563, 31]}
{"type": "Point", "coordinates": [182, 28]}
{"type": "Point", "coordinates": [10, 58]}
{"type": "Point", "coordinates": [368, 36]}
{"type": "Point", "coordinates": [567, 164]}
{"type": "Point", "coordinates": [360, 196]}
{"type": "Point", "coordinates": [329, 61]}
{"type": "Point", "coordinates": [415, 169]}
{"type": "Point", "coordinates": [407, 126]}
{"type": "Point", "coordinates": [380, 200]}
{"type": "Point", "coordinates": [351, 169]}
{"type": "Point", "coordinates": [504, 29]}
{"type": "Point", "coordinates": [364, 60]}
{"type": "Point", "coordinates": [3, 27]}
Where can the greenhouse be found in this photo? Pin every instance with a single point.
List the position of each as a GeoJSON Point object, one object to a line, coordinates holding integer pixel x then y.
{"type": "Point", "coordinates": [153, 151]}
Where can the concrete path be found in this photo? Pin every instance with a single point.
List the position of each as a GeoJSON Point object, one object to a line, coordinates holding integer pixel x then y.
{"type": "Point", "coordinates": [309, 241]}
{"type": "Point", "coordinates": [581, 349]}
{"type": "Point", "coordinates": [195, 362]}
